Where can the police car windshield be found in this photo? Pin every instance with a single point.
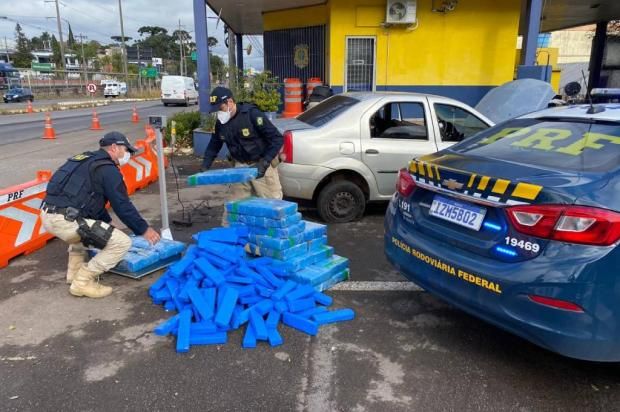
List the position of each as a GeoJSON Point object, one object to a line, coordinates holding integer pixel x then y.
{"type": "Point", "coordinates": [327, 110]}
{"type": "Point", "coordinates": [565, 144]}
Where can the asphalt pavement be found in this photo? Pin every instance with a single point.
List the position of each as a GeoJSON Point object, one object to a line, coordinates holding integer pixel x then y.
{"type": "Point", "coordinates": [23, 127]}
{"type": "Point", "coordinates": [405, 351]}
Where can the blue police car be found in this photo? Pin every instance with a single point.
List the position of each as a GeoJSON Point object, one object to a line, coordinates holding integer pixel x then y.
{"type": "Point", "coordinates": [520, 225]}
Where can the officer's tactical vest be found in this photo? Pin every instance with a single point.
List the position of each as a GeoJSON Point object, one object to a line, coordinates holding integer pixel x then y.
{"type": "Point", "coordinates": [72, 185]}
{"type": "Point", "coordinates": [243, 140]}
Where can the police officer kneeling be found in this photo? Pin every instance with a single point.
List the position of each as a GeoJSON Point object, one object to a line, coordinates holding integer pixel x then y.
{"type": "Point", "coordinates": [251, 140]}
{"type": "Point", "coordinates": [74, 211]}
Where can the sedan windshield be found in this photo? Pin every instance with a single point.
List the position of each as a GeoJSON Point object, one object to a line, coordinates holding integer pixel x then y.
{"type": "Point", "coordinates": [327, 110]}
{"type": "Point", "coordinates": [565, 144]}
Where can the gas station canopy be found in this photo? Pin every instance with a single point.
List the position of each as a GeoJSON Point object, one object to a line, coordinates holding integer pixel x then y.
{"type": "Point", "coordinates": [245, 16]}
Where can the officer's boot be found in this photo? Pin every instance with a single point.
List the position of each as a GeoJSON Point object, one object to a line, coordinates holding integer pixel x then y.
{"type": "Point", "coordinates": [84, 284]}
{"type": "Point", "coordinates": [76, 260]}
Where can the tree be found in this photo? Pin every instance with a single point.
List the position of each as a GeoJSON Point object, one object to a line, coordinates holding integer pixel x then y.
{"type": "Point", "coordinates": [212, 42]}
{"type": "Point", "coordinates": [117, 62]}
{"type": "Point", "coordinates": [42, 42]}
{"type": "Point", "coordinates": [22, 56]}
{"type": "Point", "coordinates": [152, 30]}
{"type": "Point", "coordinates": [217, 67]}
{"type": "Point", "coordinates": [71, 40]}
{"type": "Point", "coordinates": [56, 58]}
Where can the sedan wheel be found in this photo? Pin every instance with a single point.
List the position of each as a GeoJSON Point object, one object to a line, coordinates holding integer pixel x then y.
{"type": "Point", "coordinates": [341, 201]}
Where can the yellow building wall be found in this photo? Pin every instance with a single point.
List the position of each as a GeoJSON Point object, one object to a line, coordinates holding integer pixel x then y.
{"type": "Point", "coordinates": [294, 18]}
{"type": "Point", "coordinates": [472, 45]}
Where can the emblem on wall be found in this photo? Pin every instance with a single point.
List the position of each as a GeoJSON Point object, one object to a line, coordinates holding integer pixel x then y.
{"type": "Point", "coordinates": [302, 55]}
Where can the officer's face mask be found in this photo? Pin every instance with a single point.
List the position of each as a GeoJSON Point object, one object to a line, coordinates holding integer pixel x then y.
{"type": "Point", "coordinates": [224, 116]}
{"type": "Point", "coordinates": [124, 159]}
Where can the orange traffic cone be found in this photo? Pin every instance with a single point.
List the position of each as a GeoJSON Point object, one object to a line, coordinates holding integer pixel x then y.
{"type": "Point", "coordinates": [48, 131]}
{"type": "Point", "coordinates": [134, 116]}
{"type": "Point", "coordinates": [29, 108]}
{"type": "Point", "coordinates": [95, 125]}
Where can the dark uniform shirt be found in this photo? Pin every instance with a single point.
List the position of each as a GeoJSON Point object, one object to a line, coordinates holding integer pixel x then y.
{"type": "Point", "coordinates": [249, 136]}
{"type": "Point", "coordinates": [107, 186]}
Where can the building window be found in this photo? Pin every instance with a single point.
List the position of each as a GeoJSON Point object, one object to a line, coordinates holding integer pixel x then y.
{"type": "Point", "coordinates": [456, 124]}
{"type": "Point", "coordinates": [399, 121]}
{"type": "Point", "coordinates": [360, 64]}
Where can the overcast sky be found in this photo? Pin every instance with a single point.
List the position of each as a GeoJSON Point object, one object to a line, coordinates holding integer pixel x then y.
{"type": "Point", "coordinates": [99, 19]}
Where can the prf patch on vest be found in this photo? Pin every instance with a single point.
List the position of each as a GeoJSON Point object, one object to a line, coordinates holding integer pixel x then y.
{"type": "Point", "coordinates": [245, 132]}
{"type": "Point", "coordinates": [259, 121]}
{"type": "Point", "coordinates": [80, 157]}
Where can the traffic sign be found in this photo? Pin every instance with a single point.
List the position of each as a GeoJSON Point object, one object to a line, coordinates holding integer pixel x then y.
{"type": "Point", "coordinates": [149, 72]}
{"type": "Point", "coordinates": [194, 56]}
{"type": "Point", "coordinates": [91, 87]}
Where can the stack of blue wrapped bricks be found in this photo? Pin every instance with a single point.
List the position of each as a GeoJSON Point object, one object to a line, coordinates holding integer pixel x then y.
{"type": "Point", "coordinates": [217, 287]}
{"type": "Point", "coordinates": [299, 247]}
{"type": "Point", "coordinates": [143, 255]}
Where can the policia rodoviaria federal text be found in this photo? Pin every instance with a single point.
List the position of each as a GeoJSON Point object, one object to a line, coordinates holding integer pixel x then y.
{"type": "Point", "coordinates": [74, 211]}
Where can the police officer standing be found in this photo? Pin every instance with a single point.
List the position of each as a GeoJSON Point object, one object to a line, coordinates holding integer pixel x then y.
{"type": "Point", "coordinates": [74, 211]}
{"type": "Point", "coordinates": [252, 140]}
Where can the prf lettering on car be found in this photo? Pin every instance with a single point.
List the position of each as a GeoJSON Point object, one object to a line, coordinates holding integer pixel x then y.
{"type": "Point", "coordinates": [553, 139]}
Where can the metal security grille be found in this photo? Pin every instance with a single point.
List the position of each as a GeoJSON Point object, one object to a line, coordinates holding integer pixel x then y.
{"type": "Point", "coordinates": [280, 47]}
{"type": "Point", "coordinates": [360, 68]}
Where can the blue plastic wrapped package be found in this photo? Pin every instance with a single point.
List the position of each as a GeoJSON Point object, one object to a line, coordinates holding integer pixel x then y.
{"type": "Point", "coordinates": [168, 248]}
{"type": "Point", "coordinates": [265, 222]}
{"type": "Point", "coordinates": [271, 208]}
{"type": "Point", "coordinates": [321, 271]}
{"type": "Point", "coordinates": [276, 243]}
{"type": "Point", "coordinates": [314, 231]}
{"type": "Point", "coordinates": [317, 244]}
{"type": "Point", "coordinates": [340, 277]}
{"type": "Point", "coordinates": [303, 261]}
{"type": "Point", "coordinates": [285, 254]}
{"type": "Point", "coordinates": [280, 233]}
{"type": "Point", "coordinates": [136, 260]}
{"type": "Point", "coordinates": [223, 176]}
{"type": "Point", "coordinates": [139, 242]}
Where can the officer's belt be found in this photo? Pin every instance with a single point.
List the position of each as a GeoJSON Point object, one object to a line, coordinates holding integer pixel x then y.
{"type": "Point", "coordinates": [54, 209]}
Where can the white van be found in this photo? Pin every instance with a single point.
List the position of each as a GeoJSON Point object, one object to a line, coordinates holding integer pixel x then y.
{"type": "Point", "coordinates": [178, 90]}
{"type": "Point", "coordinates": [114, 89]}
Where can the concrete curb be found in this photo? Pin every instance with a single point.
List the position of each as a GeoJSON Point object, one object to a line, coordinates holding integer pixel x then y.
{"type": "Point", "coordinates": [74, 105]}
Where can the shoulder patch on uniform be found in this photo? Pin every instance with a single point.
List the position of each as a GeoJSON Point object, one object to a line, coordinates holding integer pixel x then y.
{"type": "Point", "coordinates": [259, 121]}
{"type": "Point", "coordinates": [245, 132]}
{"type": "Point", "coordinates": [80, 157]}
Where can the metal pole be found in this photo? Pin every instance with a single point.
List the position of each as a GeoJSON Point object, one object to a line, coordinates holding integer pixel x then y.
{"type": "Point", "coordinates": [232, 66]}
{"type": "Point", "coordinates": [139, 69]}
{"type": "Point", "coordinates": [202, 51]}
{"type": "Point", "coordinates": [120, 12]}
{"type": "Point", "coordinates": [62, 46]}
{"type": "Point", "coordinates": [6, 50]}
{"type": "Point", "coordinates": [532, 29]}
{"type": "Point", "coordinates": [165, 224]}
{"type": "Point", "coordinates": [180, 47]}
{"type": "Point", "coordinates": [82, 37]}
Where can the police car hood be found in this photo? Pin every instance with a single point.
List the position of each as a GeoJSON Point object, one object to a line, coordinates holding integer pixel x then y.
{"type": "Point", "coordinates": [504, 181]}
{"type": "Point", "coordinates": [290, 124]}
{"type": "Point", "coordinates": [514, 99]}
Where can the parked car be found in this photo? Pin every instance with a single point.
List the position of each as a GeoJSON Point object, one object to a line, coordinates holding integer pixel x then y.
{"type": "Point", "coordinates": [346, 151]}
{"type": "Point", "coordinates": [114, 89]}
{"type": "Point", "coordinates": [178, 90]}
{"type": "Point", "coordinates": [20, 94]}
{"type": "Point", "coordinates": [520, 226]}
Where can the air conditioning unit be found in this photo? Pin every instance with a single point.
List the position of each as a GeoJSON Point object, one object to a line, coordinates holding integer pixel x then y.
{"type": "Point", "coordinates": [400, 11]}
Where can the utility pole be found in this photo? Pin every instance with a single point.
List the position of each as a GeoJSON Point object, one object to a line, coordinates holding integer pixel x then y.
{"type": "Point", "coordinates": [82, 37]}
{"type": "Point", "coordinates": [120, 12]}
{"type": "Point", "coordinates": [181, 48]}
{"type": "Point", "coordinates": [6, 50]}
{"type": "Point", "coordinates": [58, 22]}
{"type": "Point", "coordinates": [139, 68]}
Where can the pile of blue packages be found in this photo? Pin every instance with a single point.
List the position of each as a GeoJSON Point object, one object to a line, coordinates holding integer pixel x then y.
{"type": "Point", "coordinates": [141, 255]}
{"type": "Point", "coordinates": [216, 288]}
{"type": "Point", "coordinates": [223, 176]}
{"type": "Point", "coordinates": [276, 230]}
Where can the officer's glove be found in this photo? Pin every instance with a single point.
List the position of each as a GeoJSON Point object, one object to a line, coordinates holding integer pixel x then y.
{"type": "Point", "coordinates": [262, 167]}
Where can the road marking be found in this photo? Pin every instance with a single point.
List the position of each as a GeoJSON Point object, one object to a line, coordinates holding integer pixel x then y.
{"type": "Point", "coordinates": [377, 286]}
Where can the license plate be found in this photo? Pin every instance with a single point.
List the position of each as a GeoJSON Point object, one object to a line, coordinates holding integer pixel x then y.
{"type": "Point", "coordinates": [463, 214]}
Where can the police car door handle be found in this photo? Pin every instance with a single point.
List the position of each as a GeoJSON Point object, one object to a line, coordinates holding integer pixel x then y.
{"type": "Point", "coordinates": [372, 151]}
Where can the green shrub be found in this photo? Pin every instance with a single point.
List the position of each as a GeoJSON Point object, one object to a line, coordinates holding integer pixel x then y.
{"type": "Point", "coordinates": [186, 122]}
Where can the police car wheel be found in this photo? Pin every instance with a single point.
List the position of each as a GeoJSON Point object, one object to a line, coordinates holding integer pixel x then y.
{"type": "Point", "coordinates": [341, 201]}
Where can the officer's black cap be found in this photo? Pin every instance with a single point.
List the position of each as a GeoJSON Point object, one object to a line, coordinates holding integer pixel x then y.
{"type": "Point", "coordinates": [118, 138]}
{"type": "Point", "coordinates": [218, 96]}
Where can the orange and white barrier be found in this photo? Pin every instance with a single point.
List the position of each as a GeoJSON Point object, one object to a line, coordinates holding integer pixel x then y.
{"type": "Point", "coordinates": [21, 231]}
